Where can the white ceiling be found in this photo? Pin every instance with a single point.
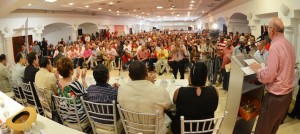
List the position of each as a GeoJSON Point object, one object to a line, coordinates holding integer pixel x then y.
{"type": "Point", "coordinates": [172, 10]}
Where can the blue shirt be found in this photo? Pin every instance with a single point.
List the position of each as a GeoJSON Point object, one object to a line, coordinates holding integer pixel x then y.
{"type": "Point", "coordinates": [102, 93]}
{"type": "Point", "coordinates": [261, 57]}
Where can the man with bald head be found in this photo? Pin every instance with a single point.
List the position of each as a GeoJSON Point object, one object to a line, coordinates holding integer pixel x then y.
{"type": "Point", "coordinates": [278, 76]}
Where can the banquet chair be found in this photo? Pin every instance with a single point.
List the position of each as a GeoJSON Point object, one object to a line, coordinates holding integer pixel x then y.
{"type": "Point", "coordinates": [65, 108]}
{"type": "Point", "coordinates": [29, 95]}
{"type": "Point", "coordinates": [211, 125]}
{"type": "Point", "coordinates": [17, 91]}
{"type": "Point", "coordinates": [136, 122]}
{"type": "Point", "coordinates": [103, 117]}
{"type": "Point", "coordinates": [44, 101]}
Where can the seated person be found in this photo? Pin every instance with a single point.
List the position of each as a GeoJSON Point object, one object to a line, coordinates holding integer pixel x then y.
{"type": "Point", "coordinates": [29, 77]}
{"type": "Point", "coordinates": [162, 56]}
{"type": "Point", "coordinates": [46, 80]}
{"type": "Point", "coordinates": [143, 54]}
{"type": "Point", "coordinates": [102, 92]}
{"type": "Point", "coordinates": [126, 59]}
{"type": "Point", "coordinates": [56, 57]}
{"type": "Point", "coordinates": [18, 72]}
{"type": "Point", "coordinates": [5, 74]}
{"type": "Point", "coordinates": [197, 101]}
{"type": "Point", "coordinates": [69, 88]}
{"type": "Point", "coordinates": [142, 95]}
{"type": "Point", "coordinates": [261, 53]}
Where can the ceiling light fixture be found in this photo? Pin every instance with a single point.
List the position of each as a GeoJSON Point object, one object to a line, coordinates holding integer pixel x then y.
{"type": "Point", "coordinates": [159, 7]}
{"type": "Point", "coordinates": [172, 13]}
{"type": "Point", "coordinates": [87, 6]}
{"type": "Point", "coordinates": [117, 11]}
{"type": "Point", "coordinates": [191, 5]}
{"type": "Point", "coordinates": [99, 8]}
{"type": "Point", "coordinates": [29, 4]}
{"type": "Point", "coordinates": [203, 11]}
{"type": "Point", "coordinates": [191, 8]}
{"type": "Point", "coordinates": [192, 1]}
{"type": "Point", "coordinates": [110, 3]}
{"type": "Point", "coordinates": [71, 4]}
{"type": "Point", "coordinates": [171, 8]}
{"type": "Point", "coordinates": [50, 0]}
{"type": "Point", "coordinates": [109, 10]}
{"type": "Point", "coordinates": [118, 14]}
{"type": "Point", "coordinates": [134, 10]}
{"type": "Point", "coordinates": [128, 13]}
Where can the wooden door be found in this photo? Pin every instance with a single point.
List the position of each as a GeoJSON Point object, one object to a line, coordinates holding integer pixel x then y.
{"type": "Point", "coordinates": [18, 42]}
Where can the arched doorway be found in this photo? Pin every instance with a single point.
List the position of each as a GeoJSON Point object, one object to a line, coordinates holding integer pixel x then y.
{"type": "Point", "coordinates": [56, 31]}
{"type": "Point", "coordinates": [87, 28]}
{"type": "Point", "coordinates": [238, 23]}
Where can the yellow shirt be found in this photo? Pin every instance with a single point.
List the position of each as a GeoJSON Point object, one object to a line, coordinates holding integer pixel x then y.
{"type": "Point", "coordinates": [162, 54]}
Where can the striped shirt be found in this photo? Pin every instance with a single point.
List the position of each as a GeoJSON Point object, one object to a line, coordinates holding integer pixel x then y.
{"type": "Point", "coordinates": [102, 93]}
{"type": "Point", "coordinates": [74, 89]}
{"type": "Point", "coordinates": [279, 72]}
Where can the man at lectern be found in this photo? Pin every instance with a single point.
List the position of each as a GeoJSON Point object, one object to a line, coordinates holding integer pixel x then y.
{"type": "Point", "coordinates": [278, 76]}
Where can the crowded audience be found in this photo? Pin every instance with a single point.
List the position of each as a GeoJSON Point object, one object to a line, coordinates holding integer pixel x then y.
{"type": "Point", "coordinates": [58, 68]}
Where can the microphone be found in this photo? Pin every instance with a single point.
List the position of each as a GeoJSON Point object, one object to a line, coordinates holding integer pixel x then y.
{"type": "Point", "coordinates": [263, 35]}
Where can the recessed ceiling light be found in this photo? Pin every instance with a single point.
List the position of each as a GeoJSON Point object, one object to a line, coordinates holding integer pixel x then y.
{"type": "Point", "coordinates": [99, 8]}
{"type": "Point", "coordinates": [134, 10]}
{"type": "Point", "coordinates": [159, 7]}
{"type": "Point", "coordinates": [50, 0]}
{"type": "Point", "coordinates": [118, 14]}
{"type": "Point", "coordinates": [172, 13]}
{"type": "Point", "coordinates": [171, 8]}
{"type": "Point", "coordinates": [203, 11]}
{"type": "Point", "coordinates": [87, 6]}
{"type": "Point", "coordinates": [110, 3]}
{"type": "Point", "coordinates": [71, 4]}
{"type": "Point", "coordinates": [29, 4]}
{"type": "Point", "coordinates": [191, 5]}
{"type": "Point", "coordinates": [128, 13]}
{"type": "Point", "coordinates": [117, 11]}
{"type": "Point", "coordinates": [178, 15]}
{"type": "Point", "coordinates": [192, 1]}
{"type": "Point", "coordinates": [109, 10]}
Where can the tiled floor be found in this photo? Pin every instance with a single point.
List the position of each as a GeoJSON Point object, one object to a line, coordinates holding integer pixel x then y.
{"type": "Point", "coordinates": [290, 126]}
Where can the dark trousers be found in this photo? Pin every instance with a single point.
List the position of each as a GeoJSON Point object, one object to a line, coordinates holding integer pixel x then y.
{"type": "Point", "coordinates": [272, 113]}
{"type": "Point", "coordinates": [226, 76]}
{"type": "Point", "coordinates": [217, 66]}
{"type": "Point", "coordinates": [151, 63]}
{"type": "Point", "coordinates": [117, 58]}
{"type": "Point", "coordinates": [77, 62]}
{"type": "Point", "coordinates": [178, 66]}
{"type": "Point", "coordinates": [296, 110]}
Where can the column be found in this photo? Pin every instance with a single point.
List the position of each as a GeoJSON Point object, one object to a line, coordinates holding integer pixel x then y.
{"type": "Point", "coordinates": [9, 51]}
{"type": "Point", "coordinates": [288, 33]}
{"type": "Point", "coordinates": [2, 47]}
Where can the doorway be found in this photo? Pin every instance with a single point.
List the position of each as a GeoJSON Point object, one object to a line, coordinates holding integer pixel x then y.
{"type": "Point", "coordinates": [18, 42]}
